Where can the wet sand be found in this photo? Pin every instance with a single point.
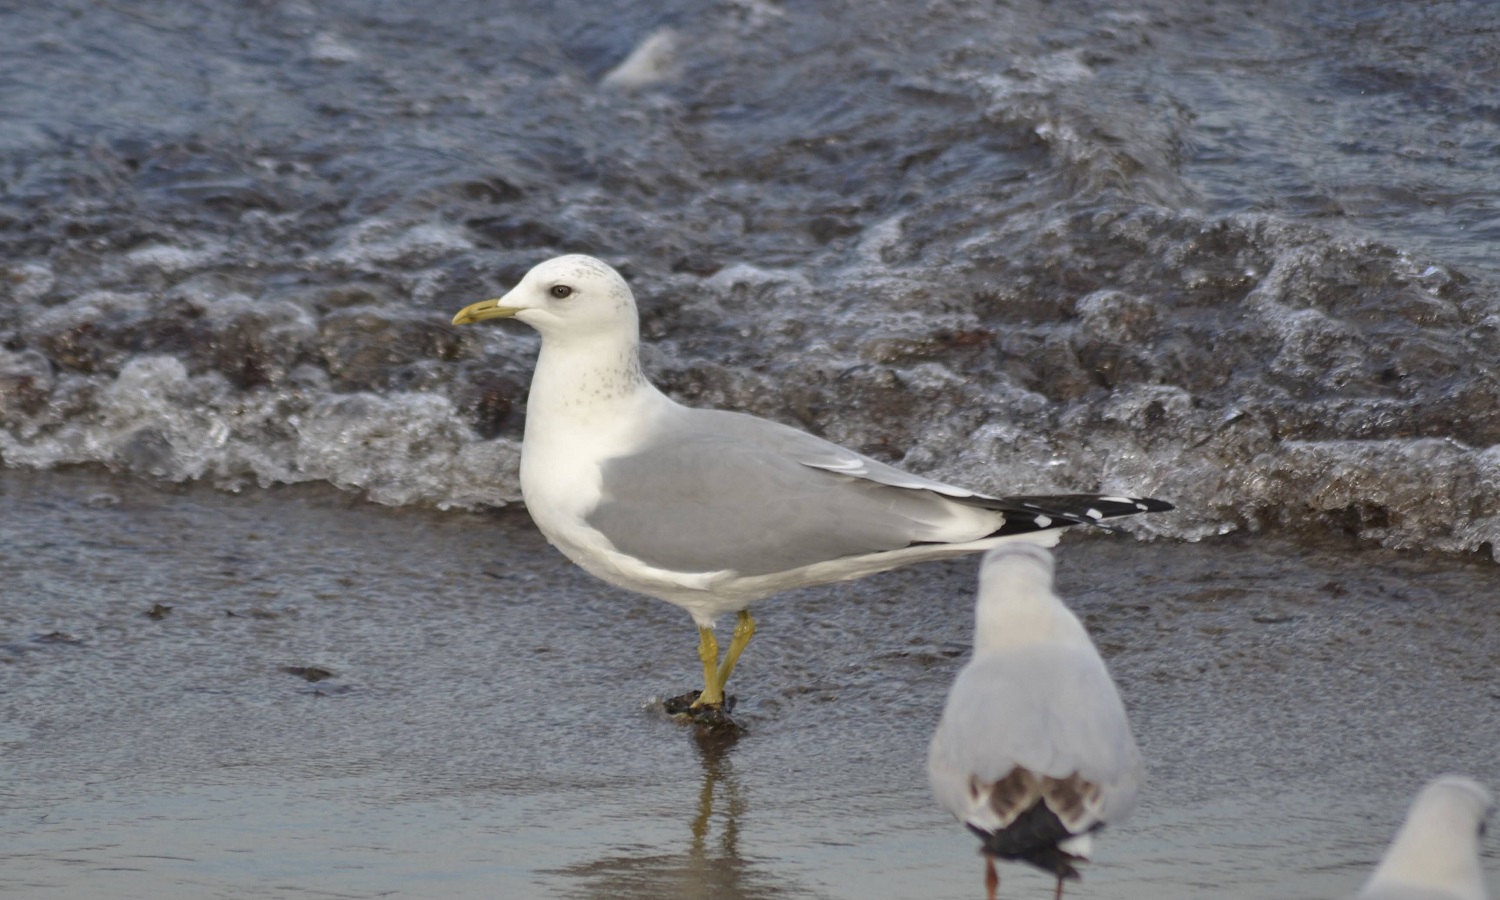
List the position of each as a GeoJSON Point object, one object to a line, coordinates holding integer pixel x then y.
{"type": "Point", "coordinates": [486, 727]}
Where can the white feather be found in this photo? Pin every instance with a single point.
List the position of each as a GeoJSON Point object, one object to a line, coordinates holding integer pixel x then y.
{"type": "Point", "coordinates": [1435, 854]}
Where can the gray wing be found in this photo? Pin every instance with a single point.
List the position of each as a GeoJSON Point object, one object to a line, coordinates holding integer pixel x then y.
{"type": "Point", "coordinates": [1053, 710]}
{"type": "Point", "coordinates": [717, 490]}
{"type": "Point", "coordinates": [821, 454]}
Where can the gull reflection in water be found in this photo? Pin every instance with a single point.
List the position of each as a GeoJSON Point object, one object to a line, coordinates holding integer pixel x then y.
{"type": "Point", "coordinates": [711, 866]}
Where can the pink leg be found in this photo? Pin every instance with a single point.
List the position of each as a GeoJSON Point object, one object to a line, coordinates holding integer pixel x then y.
{"type": "Point", "coordinates": [991, 878]}
{"type": "Point", "coordinates": [1058, 895]}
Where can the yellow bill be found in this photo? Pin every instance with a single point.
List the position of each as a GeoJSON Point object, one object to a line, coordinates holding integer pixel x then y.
{"type": "Point", "coordinates": [484, 309]}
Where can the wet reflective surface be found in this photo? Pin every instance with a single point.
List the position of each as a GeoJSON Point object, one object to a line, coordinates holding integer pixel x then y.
{"type": "Point", "coordinates": [487, 725]}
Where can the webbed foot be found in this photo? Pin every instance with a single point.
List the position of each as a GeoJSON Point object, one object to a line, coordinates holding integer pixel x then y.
{"type": "Point", "coordinates": [710, 716]}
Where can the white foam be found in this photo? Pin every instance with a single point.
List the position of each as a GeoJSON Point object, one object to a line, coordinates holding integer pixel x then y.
{"type": "Point", "coordinates": [330, 48]}
{"type": "Point", "coordinates": [157, 419]}
{"type": "Point", "coordinates": [653, 61]}
{"type": "Point", "coordinates": [169, 257]}
{"type": "Point", "coordinates": [379, 241]}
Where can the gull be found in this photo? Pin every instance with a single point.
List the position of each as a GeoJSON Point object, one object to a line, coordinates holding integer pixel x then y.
{"type": "Point", "coordinates": [1435, 855]}
{"type": "Point", "coordinates": [712, 509]}
{"type": "Point", "coordinates": [1033, 752]}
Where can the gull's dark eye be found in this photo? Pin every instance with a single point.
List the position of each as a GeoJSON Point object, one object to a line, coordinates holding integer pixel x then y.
{"type": "Point", "coordinates": [560, 291]}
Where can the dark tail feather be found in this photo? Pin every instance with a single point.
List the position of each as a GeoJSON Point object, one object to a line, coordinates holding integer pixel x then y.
{"type": "Point", "coordinates": [1033, 837]}
{"type": "Point", "coordinates": [1055, 861]}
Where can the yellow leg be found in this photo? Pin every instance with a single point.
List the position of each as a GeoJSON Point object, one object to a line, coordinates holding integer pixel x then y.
{"type": "Point", "coordinates": [744, 630]}
{"type": "Point", "coordinates": [708, 651]}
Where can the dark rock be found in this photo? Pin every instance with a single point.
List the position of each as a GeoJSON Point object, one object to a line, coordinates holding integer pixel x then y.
{"type": "Point", "coordinates": [493, 189]}
{"type": "Point", "coordinates": [510, 232]}
{"type": "Point", "coordinates": [257, 347]}
{"type": "Point", "coordinates": [25, 384]}
{"type": "Point", "coordinates": [362, 347]}
{"type": "Point", "coordinates": [828, 228]}
{"type": "Point", "coordinates": [359, 293]}
{"type": "Point", "coordinates": [486, 398]}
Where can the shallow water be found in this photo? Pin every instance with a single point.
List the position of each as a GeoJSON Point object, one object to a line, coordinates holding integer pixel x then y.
{"type": "Point", "coordinates": [487, 726]}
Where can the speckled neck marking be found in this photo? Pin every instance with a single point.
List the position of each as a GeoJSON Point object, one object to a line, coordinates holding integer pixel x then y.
{"type": "Point", "coordinates": [580, 376]}
{"type": "Point", "coordinates": [608, 381]}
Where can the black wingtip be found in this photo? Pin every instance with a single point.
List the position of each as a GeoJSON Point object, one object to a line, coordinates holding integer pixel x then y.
{"type": "Point", "coordinates": [1041, 512]}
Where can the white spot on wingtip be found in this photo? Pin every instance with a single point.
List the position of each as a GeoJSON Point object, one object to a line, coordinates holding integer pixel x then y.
{"type": "Point", "coordinates": [1093, 513]}
{"type": "Point", "coordinates": [1043, 521]}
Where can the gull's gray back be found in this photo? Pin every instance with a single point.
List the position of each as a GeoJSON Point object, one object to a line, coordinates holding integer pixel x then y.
{"type": "Point", "coordinates": [716, 490]}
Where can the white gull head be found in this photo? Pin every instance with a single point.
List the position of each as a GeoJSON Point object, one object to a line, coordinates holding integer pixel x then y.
{"type": "Point", "coordinates": [565, 298]}
{"type": "Point", "coordinates": [1017, 604]}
